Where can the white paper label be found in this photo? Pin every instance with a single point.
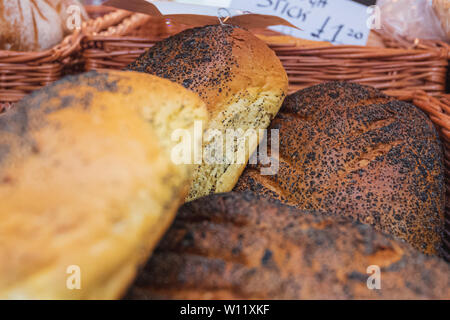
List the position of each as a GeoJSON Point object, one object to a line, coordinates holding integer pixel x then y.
{"type": "Point", "coordinates": [186, 7]}
{"type": "Point", "coordinates": [336, 21]}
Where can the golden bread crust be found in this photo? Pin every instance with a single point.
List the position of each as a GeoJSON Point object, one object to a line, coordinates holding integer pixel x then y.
{"type": "Point", "coordinates": [238, 76]}
{"type": "Point", "coordinates": [86, 180]}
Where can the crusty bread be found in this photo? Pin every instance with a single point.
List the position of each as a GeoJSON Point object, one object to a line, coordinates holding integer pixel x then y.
{"type": "Point", "coordinates": [241, 80]}
{"type": "Point", "coordinates": [442, 9]}
{"type": "Point", "coordinates": [237, 246]}
{"type": "Point", "coordinates": [86, 179]}
{"type": "Point", "coordinates": [35, 25]}
{"type": "Point", "coordinates": [351, 150]}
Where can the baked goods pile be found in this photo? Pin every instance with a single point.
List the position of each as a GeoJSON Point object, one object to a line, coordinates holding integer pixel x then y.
{"type": "Point", "coordinates": [88, 179]}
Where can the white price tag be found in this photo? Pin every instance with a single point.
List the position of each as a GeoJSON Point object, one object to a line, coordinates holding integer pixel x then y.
{"type": "Point", "coordinates": [336, 21]}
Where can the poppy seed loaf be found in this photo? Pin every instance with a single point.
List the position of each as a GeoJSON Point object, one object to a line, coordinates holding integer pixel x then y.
{"type": "Point", "coordinates": [87, 185]}
{"type": "Point", "coordinates": [241, 246]}
{"type": "Point", "coordinates": [242, 82]}
{"type": "Point", "coordinates": [351, 150]}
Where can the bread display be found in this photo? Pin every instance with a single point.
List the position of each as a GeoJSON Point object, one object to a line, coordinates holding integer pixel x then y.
{"type": "Point", "coordinates": [191, 174]}
{"type": "Point", "coordinates": [87, 182]}
{"type": "Point", "coordinates": [350, 150]}
{"type": "Point", "coordinates": [241, 246]}
{"type": "Point", "coordinates": [241, 80]}
{"type": "Point", "coordinates": [36, 25]}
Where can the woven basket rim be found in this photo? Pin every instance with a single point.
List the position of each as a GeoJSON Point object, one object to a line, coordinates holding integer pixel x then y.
{"type": "Point", "coordinates": [66, 47]}
{"type": "Point", "coordinates": [117, 19]}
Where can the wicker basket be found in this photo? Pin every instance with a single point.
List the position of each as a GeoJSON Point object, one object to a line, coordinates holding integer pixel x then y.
{"type": "Point", "coordinates": [390, 41]}
{"type": "Point", "coordinates": [386, 40]}
{"type": "Point", "coordinates": [118, 38]}
{"type": "Point", "coordinates": [23, 72]}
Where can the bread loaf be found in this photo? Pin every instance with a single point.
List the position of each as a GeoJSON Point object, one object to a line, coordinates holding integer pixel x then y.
{"type": "Point", "coordinates": [242, 82]}
{"type": "Point", "coordinates": [238, 246]}
{"type": "Point", "coordinates": [350, 150]}
{"type": "Point", "coordinates": [35, 25]}
{"type": "Point", "coordinates": [87, 182]}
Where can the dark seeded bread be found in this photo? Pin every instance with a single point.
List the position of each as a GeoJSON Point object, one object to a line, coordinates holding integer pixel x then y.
{"type": "Point", "coordinates": [351, 150]}
{"type": "Point", "coordinates": [86, 180]}
{"type": "Point", "coordinates": [242, 82]}
{"type": "Point", "coordinates": [241, 246]}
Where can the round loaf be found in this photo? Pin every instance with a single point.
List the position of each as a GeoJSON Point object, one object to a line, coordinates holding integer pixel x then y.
{"type": "Point", "coordinates": [36, 25]}
{"type": "Point", "coordinates": [87, 184]}
{"type": "Point", "coordinates": [241, 246]}
{"type": "Point", "coordinates": [351, 150]}
{"type": "Point", "coordinates": [238, 76]}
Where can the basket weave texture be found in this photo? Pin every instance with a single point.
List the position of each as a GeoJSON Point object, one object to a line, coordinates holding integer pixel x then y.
{"type": "Point", "coordinates": [119, 37]}
{"type": "Point", "coordinates": [114, 40]}
{"type": "Point", "coordinates": [23, 72]}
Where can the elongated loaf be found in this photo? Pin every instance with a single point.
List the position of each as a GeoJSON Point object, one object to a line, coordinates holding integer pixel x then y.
{"type": "Point", "coordinates": [240, 246]}
{"type": "Point", "coordinates": [242, 82]}
{"type": "Point", "coordinates": [353, 151]}
{"type": "Point", "coordinates": [87, 185]}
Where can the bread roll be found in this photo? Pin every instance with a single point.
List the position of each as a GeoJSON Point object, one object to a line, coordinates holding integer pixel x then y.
{"type": "Point", "coordinates": [242, 82]}
{"type": "Point", "coordinates": [442, 9]}
{"type": "Point", "coordinates": [36, 25]}
{"type": "Point", "coordinates": [350, 150]}
{"type": "Point", "coordinates": [238, 246]}
{"type": "Point", "coordinates": [87, 183]}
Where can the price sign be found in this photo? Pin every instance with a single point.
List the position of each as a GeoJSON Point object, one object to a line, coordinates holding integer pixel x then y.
{"type": "Point", "coordinates": [336, 21]}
